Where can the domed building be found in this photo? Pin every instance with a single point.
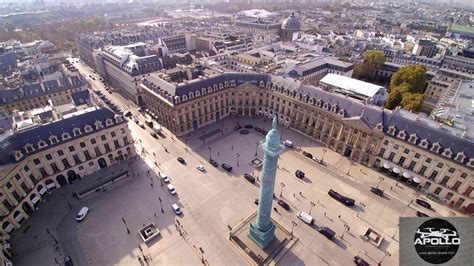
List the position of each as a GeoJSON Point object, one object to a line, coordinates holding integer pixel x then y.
{"type": "Point", "coordinates": [290, 28]}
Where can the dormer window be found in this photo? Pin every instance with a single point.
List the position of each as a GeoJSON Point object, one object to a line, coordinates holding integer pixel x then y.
{"type": "Point", "coordinates": [65, 136]}
{"type": "Point", "coordinates": [87, 129]}
{"type": "Point", "coordinates": [447, 153]}
{"type": "Point", "coordinates": [191, 95]}
{"type": "Point", "coordinates": [391, 130]}
{"type": "Point", "coordinates": [53, 139]}
{"type": "Point", "coordinates": [379, 127]}
{"type": "Point", "coordinates": [108, 122]}
{"type": "Point", "coordinates": [29, 148]}
{"type": "Point", "coordinates": [18, 155]}
{"type": "Point", "coordinates": [401, 134]}
{"type": "Point", "coordinates": [98, 124]}
{"type": "Point", "coordinates": [42, 144]}
{"type": "Point", "coordinates": [424, 143]}
{"type": "Point", "coordinates": [460, 157]}
{"type": "Point", "coordinates": [471, 162]}
{"type": "Point", "coordinates": [413, 138]}
{"type": "Point", "coordinates": [435, 147]}
{"type": "Point", "coordinates": [198, 94]}
{"type": "Point", "coordinates": [341, 112]}
{"type": "Point", "coordinates": [76, 132]}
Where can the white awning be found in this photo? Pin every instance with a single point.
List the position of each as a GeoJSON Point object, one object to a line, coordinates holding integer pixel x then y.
{"type": "Point", "coordinates": [416, 179]}
{"type": "Point", "coordinates": [42, 191]}
{"type": "Point", "coordinates": [386, 166]}
{"type": "Point", "coordinates": [35, 199]}
{"type": "Point", "coordinates": [396, 170]}
{"type": "Point", "coordinates": [50, 186]}
{"type": "Point", "coordinates": [19, 217]}
{"type": "Point", "coordinates": [406, 175]}
{"type": "Point", "coordinates": [9, 228]}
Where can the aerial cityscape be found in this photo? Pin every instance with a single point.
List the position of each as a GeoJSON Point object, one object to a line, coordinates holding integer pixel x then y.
{"type": "Point", "coordinates": [237, 132]}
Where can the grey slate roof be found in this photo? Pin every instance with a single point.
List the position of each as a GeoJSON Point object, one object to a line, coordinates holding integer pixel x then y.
{"type": "Point", "coordinates": [80, 97]}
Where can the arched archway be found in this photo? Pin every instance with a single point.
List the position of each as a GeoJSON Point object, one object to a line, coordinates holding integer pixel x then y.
{"type": "Point", "coordinates": [218, 115]}
{"type": "Point", "coordinates": [27, 208]}
{"type": "Point", "coordinates": [195, 125]}
{"type": "Point", "coordinates": [19, 217]}
{"type": "Point", "coordinates": [50, 184]}
{"type": "Point", "coordinates": [61, 180]}
{"type": "Point", "coordinates": [102, 163]}
{"type": "Point", "coordinates": [34, 198]}
{"type": "Point", "coordinates": [8, 227]}
{"type": "Point", "coordinates": [41, 190]}
{"type": "Point", "coordinates": [347, 152]}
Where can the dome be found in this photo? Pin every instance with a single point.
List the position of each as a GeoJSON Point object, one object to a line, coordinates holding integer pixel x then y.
{"type": "Point", "coordinates": [291, 23]}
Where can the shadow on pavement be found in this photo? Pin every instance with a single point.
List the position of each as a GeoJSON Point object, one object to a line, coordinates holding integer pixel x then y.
{"type": "Point", "coordinates": [339, 242]}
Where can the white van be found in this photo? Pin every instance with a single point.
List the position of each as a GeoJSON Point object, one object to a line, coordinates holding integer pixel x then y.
{"type": "Point", "coordinates": [171, 189]}
{"type": "Point", "coordinates": [82, 214]}
{"type": "Point", "coordinates": [303, 216]}
{"type": "Point", "coordinates": [288, 143]}
{"type": "Point", "coordinates": [176, 209]}
{"type": "Point", "coordinates": [164, 177]}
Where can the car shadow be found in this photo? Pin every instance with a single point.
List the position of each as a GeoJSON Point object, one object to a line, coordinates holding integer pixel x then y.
{"type": "Point", "coordinates": [307, 180]}
{"type": "Point", "coordinates": [357, 208]}
{"type": "Point", "coordinates": [340, 243]}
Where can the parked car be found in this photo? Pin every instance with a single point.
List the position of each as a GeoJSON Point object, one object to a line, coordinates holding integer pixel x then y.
{"type": "Point", "coordinates": [421, 214]}
{"type": "Point", "coordinates": [200, 167]}
{"type": "Point", "coordinates": [153, 134]}
{"type": "Point", "coordinates": [237, 127]}
{"type": "Point", "coordinates": [360, 261]}
{"type": "Point", "coordinates": [128, 114]}
{"type": "Point", "coordinates": [316, 159]}
{"type": "Point", "coordinates": [258, 129]}
{"type": "Point", "coordinates": [288, 143]}
{"type": "Point", "coordinates": [68, 261]}
{"type": "Point", "coordinates": [171, 189]}
{"type": "Point", "coordinates": [181, 160]}
{"type": "Point", "coordinates": [250, 178]}
{"type": "Point", "coordinates": [256, 201]}
{"type": "Point", "coordinates": [248, 126]}
{"type": "Point", "coordinates": [136, 120]}
{"type": "Point", "coordinates": [327, 232]}
{"type": "Point", "coordinates": [299, 174]}
{"type": "Point", "coordinates": [176, 208]}
{"type": "Point", "coordinates": [141, 124]}
{"type": "Point", "coordinates": [164, 177]}
{"type": "Point", "coordinates": [307, 154]}
{"type": "Point", "coordinates": [213, 162]}
{"type": "Point", "coordinates": [226, 167]}
{"type": "Point", "coordinates": [244, 132]}
{"type": "Point", "coordinates": [82, 214]}
{"type": "Point", "coordinates": [283, 204]}
{"type": "Point", "coordinates": [376, 191]}
{"type": "Point", "coordinates": [423, 203]}
{"type": "Point", "coordinates": [303, 216]}
{"type": "Point", "coordinates": [342, 199]}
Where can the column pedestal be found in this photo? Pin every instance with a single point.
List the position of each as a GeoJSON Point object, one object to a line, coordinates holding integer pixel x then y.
{"type": "Point", "coordinates": [261, 238]}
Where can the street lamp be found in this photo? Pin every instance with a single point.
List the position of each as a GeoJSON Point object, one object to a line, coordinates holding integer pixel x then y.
{"type": "Point", "coordinates": [350, 166]}
{"type": "Point", "coordinates": [161, 205]}
{"type": "Point", "coordinates": [293, 224]}
{"type": "Point", "coordinates": [282, 186]}
{"type": "Point", "coordinates": [346, 228]}
{"type": "Point", "coordinates": [415, 194]}
{"type": "Point", "coordinates": [324, 152]}
{"type": "Point", "coordinates": [125, 223]}
{"type": "Point", "coordinates": [256, 148]}
{"type": "Point", "coordinates": [210, 153]}
{"type": "Point", "coordinates": [311, 204]}
{"type": "Point", "coordinates": [186, 144]}
{"type": "Point", "coordinates": [380, 180]}
{"type": "Point", "coordinates": [238, 155]}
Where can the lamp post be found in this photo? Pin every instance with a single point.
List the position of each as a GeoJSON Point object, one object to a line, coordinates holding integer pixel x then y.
{"type": "Point", "coordinates": [161, 205]}
{"type": "Point", "coordinates": [186, 144]}
{"type": "Point", "coordinates": [238, 156]}
{"type": "Point", "coordinates": [415, 194]}
{"type": "Point", "coordinates": [324, 152]}
{"type": "Point", "coordinates": [380, 180]}
{"type": "Point", "coordinates": [346, 228]}
{"type": "Point", "coordinates": [311, 204]}
{"type": "Point", "coordinates": [210, 153]}
{"type": "Point", "coordinates": [350, 166]}
{"type": "Point", "coordinates": [256, 148]}
{"type": "Point", "coordinates": [282, 187]}
{"type": "Point", "coordinates": [125, 223]}
{"type": "Point", "coordinates": [293, 224]}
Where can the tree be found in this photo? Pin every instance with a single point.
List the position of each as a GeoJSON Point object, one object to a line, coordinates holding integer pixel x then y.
{"type": "Point", "coordinates": [414, 75]}
{"type": "Point", "coordinates": [395, 96]}
{"type": "Point", "coordinates": [412, 101]}
{"type": "Point", "coordinates": [374, 58]}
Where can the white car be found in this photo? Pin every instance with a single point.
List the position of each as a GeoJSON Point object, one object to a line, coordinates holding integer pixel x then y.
{"type": "Point", "coordinates": [303, 216]}
{"type": "Point", "coordinates": [176, 209]}
{"type": "Point", "coordinates": [171, 189]}
{"type": "Point", "coordinates": [141, 124]}
{"type": "Point", "coordinates": [82, 214]}
{"type": "Point", "coordinates": [200, 167]}
{"type": "Point", "coordinates": [164, 177]}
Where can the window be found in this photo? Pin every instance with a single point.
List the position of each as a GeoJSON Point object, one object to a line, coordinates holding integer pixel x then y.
{"type": "Point", "coordinates": [8, 205]}
{"type": "Point", "coordinates": [445, 180]}
{"type": "Point", "coordinates": [66, 163]}
{"type": "Point", "coordinates": [113, 134]}
{"type": "Point", "coordinates": [87, 155]}
{"type": "Point", "coordinates": [463, 175]}
{"type": "Point", "coordinates": [107, 147]}
{"type": "Point", "coordinates": [71, 148]}
{"type": "Point", "coordinates": [17, 177]}
{"type": "Point", "coordinates": [438, 190]}
{"type": "Point", "coordinates": [428, 160]}
{"type": "Point", "coordinates": [417, 155]}
{"type": "Point", "coordinates": [9, 185]}
{"type": "Point", "coordinates": [93, 141]}
{"type": "Point", "coordinates": [103, 137]}
{"type": "Point", "coordinates": [117, 144]}
{"type": "Point", "coordinates": [434, 174]}
{"type": "Point", "coordinates": [451, 170]}
{"type": "Point", "coordinates": [25, 187]}
{"type": "Point", "coordinates": [16, 195]}
{"type": "Point", "coordinates": [43, 172]}
{"type": "Point", "coordinates": [49, 157]}
{"type": "Point", "coordinates": [457, 185]}
{"type": "Point", "coordinates": [26, 168]}
{"type": "Point", "coordinates": [422, 170]}
{"type": "Point", "coordinates": [60, 153]}
{"type": "Point", "coordinates": [97, 151]}
{"type": "Point", "coordinates": [37, 161]}
{"type": "Point", "coordinates": [125, 140]}
{"type": "Point", "coordinates": [440, 165]}
{"type": "Point", "coordinates": [82, 144]}
{"type": "Point", "coordinates": [91, 163]}
{"type": "Point", "coordinates": [54, 167]}
{"type": "Point", "coordinates": [412, 165]}
{"type": "Point", "coordinates": [406, 151]}
{"type": "Point", "coordinates": [385, 142]}
{"type": "Point", "coordinates": [396, 146]}
{"type": "Point", "coordinates": [33, 179]}
{"type": "Point", "coordinates": [392, 154]}
{"type": "Point", "coordinates": [76, 159]}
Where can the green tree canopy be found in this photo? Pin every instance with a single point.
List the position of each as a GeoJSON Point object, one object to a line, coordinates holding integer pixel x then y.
{"type": "Point", "coordinates": [414, 75]}
{"type": "Point", "coordinates": [375, 58]}
{"type": "Point", "coordinates": [395, 96]}
{"type": "Point", "coordinates": [412, 101]}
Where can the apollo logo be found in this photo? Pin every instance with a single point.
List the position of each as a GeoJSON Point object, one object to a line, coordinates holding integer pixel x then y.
{"type": "Point", "coordinates": [436, 241]}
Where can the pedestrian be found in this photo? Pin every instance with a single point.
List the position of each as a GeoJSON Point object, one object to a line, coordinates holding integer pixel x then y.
{"type": "Point", "coordinates": [151, 184]}
{"type": "Point", "coordinates": [391, 188]}
{"type": "Point", "coordinates": [275, 209]}
{"type": "Point", "coordinates": [324, 213]}
{"type": "Point", "coordinates": [148, 172]}
{"type": "Point", "coordinates": [339, 216]}
{"type": "Point", "coordinates": [232, 147]}
{"type": "Point", "coordinates": [155, 214]}
{"type": "Point", "coordinates": [301, 194]}
{"type": "Point", "coordinates": [294, 195]}
{"type": "Point", "coordinates": [218, 153]}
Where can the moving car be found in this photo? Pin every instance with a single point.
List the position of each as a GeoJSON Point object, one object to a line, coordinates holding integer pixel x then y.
{"type": "Point", "coordinates": [327, 232]}
{"type": "Point", "coordinates": [68, 261]}
{"type": "Point", "coordinates": [248, 126]}
{"type": "Point", "coordinates": [171, 189]}
{"type": "Point", "coordinates": [176, 208]}
{"type": "Point", "coordinates": [226, 167]}
{"type": "Point", "coordinates": [164, 177]}
{"type": "Point", "coordinates": [288, 143]}
{"type": "Point", "coordinates": [299, 174]}
{"type": "Point", "coordinates": [244, 132]}
{"type": "Point", "coordinates": [200, 167]}
{"type": "Point", "coordinates": [307, 154]}
{"type": "Point", "coordinates": [258, 129]}
{"type": "Point", "coordinates": [82, 214]}
{"type": "Point", "coordinates": [237, 127]}
{"type": "Point", "coordinates": [249, 178]}
{"type": "Point", "coordinates": [256, 201]}
{"type": "Point", "coordinates": [283, 204]}
{"type": "Point", "coordinates": [157, 128]}
{"type": "Point", "coordinates": [423, 203]}
{"type": "Point", "coordinates": [303, 216]}
{"type": "Point", "coordinates": [181, 160]}
{"type": "Point", "coordinates": [421, 214]}
{"type": "Point", "coordinates": [214, 163]}
{"type": "Point", "coordinates": [141, 124]}
{"type": "Point", "coordinates": [360, 261]}
{"type": "Point", "coordinates": [316, 159]}
{"type": "Point", "coordinates": [128, 114]}
{"type": "Point", "coordinates": [342, 199]}
{"type": "Point", "coordinates": [136, 120]}
{"type": "Point", "coordinates": [376, 191]}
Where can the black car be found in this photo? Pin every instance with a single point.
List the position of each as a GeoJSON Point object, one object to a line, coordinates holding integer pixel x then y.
{"type": "Point", "coordinates": [421, 214]}
{"type": "Point", "coordinates": [181, 160]}
{"type": "Point", "coordinates": [68, 261]}
{"type": "Point", "coordinates": [248, 126]}
{"type": "Point", "coordinates": [237, 127]}
{"type": "Point", "coordinates": [214, 163]}
{"type": "Point", "coordinates": [307, 154]}
{"type": "Point", "coordinates": [226, 167]}
{"type": "Point", "coordinates": [128, 114]}
{"type": "Point", "coordinates": [244, 132]}
{"type": "Point", "coordinates": [256, 201]}
{"type": "Point", "coordinates": [299, 174]}
{"type": "Point", "coordinates": [376, 191]}
{"type": "Point", "coordinates": [360, 261]}
{"type": "Point", "coordinates": [258, 129]}
{"type": "Point", "coordinates": [250, 178]}
{"type": "Point", "coordinates": [283, 204]}
{"type": "Point", "coordinates": [423, 203]}
{"type": "Point", "coordinates": [153, 134]}
{"type": "Point", "coordinates": [342, 199]}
